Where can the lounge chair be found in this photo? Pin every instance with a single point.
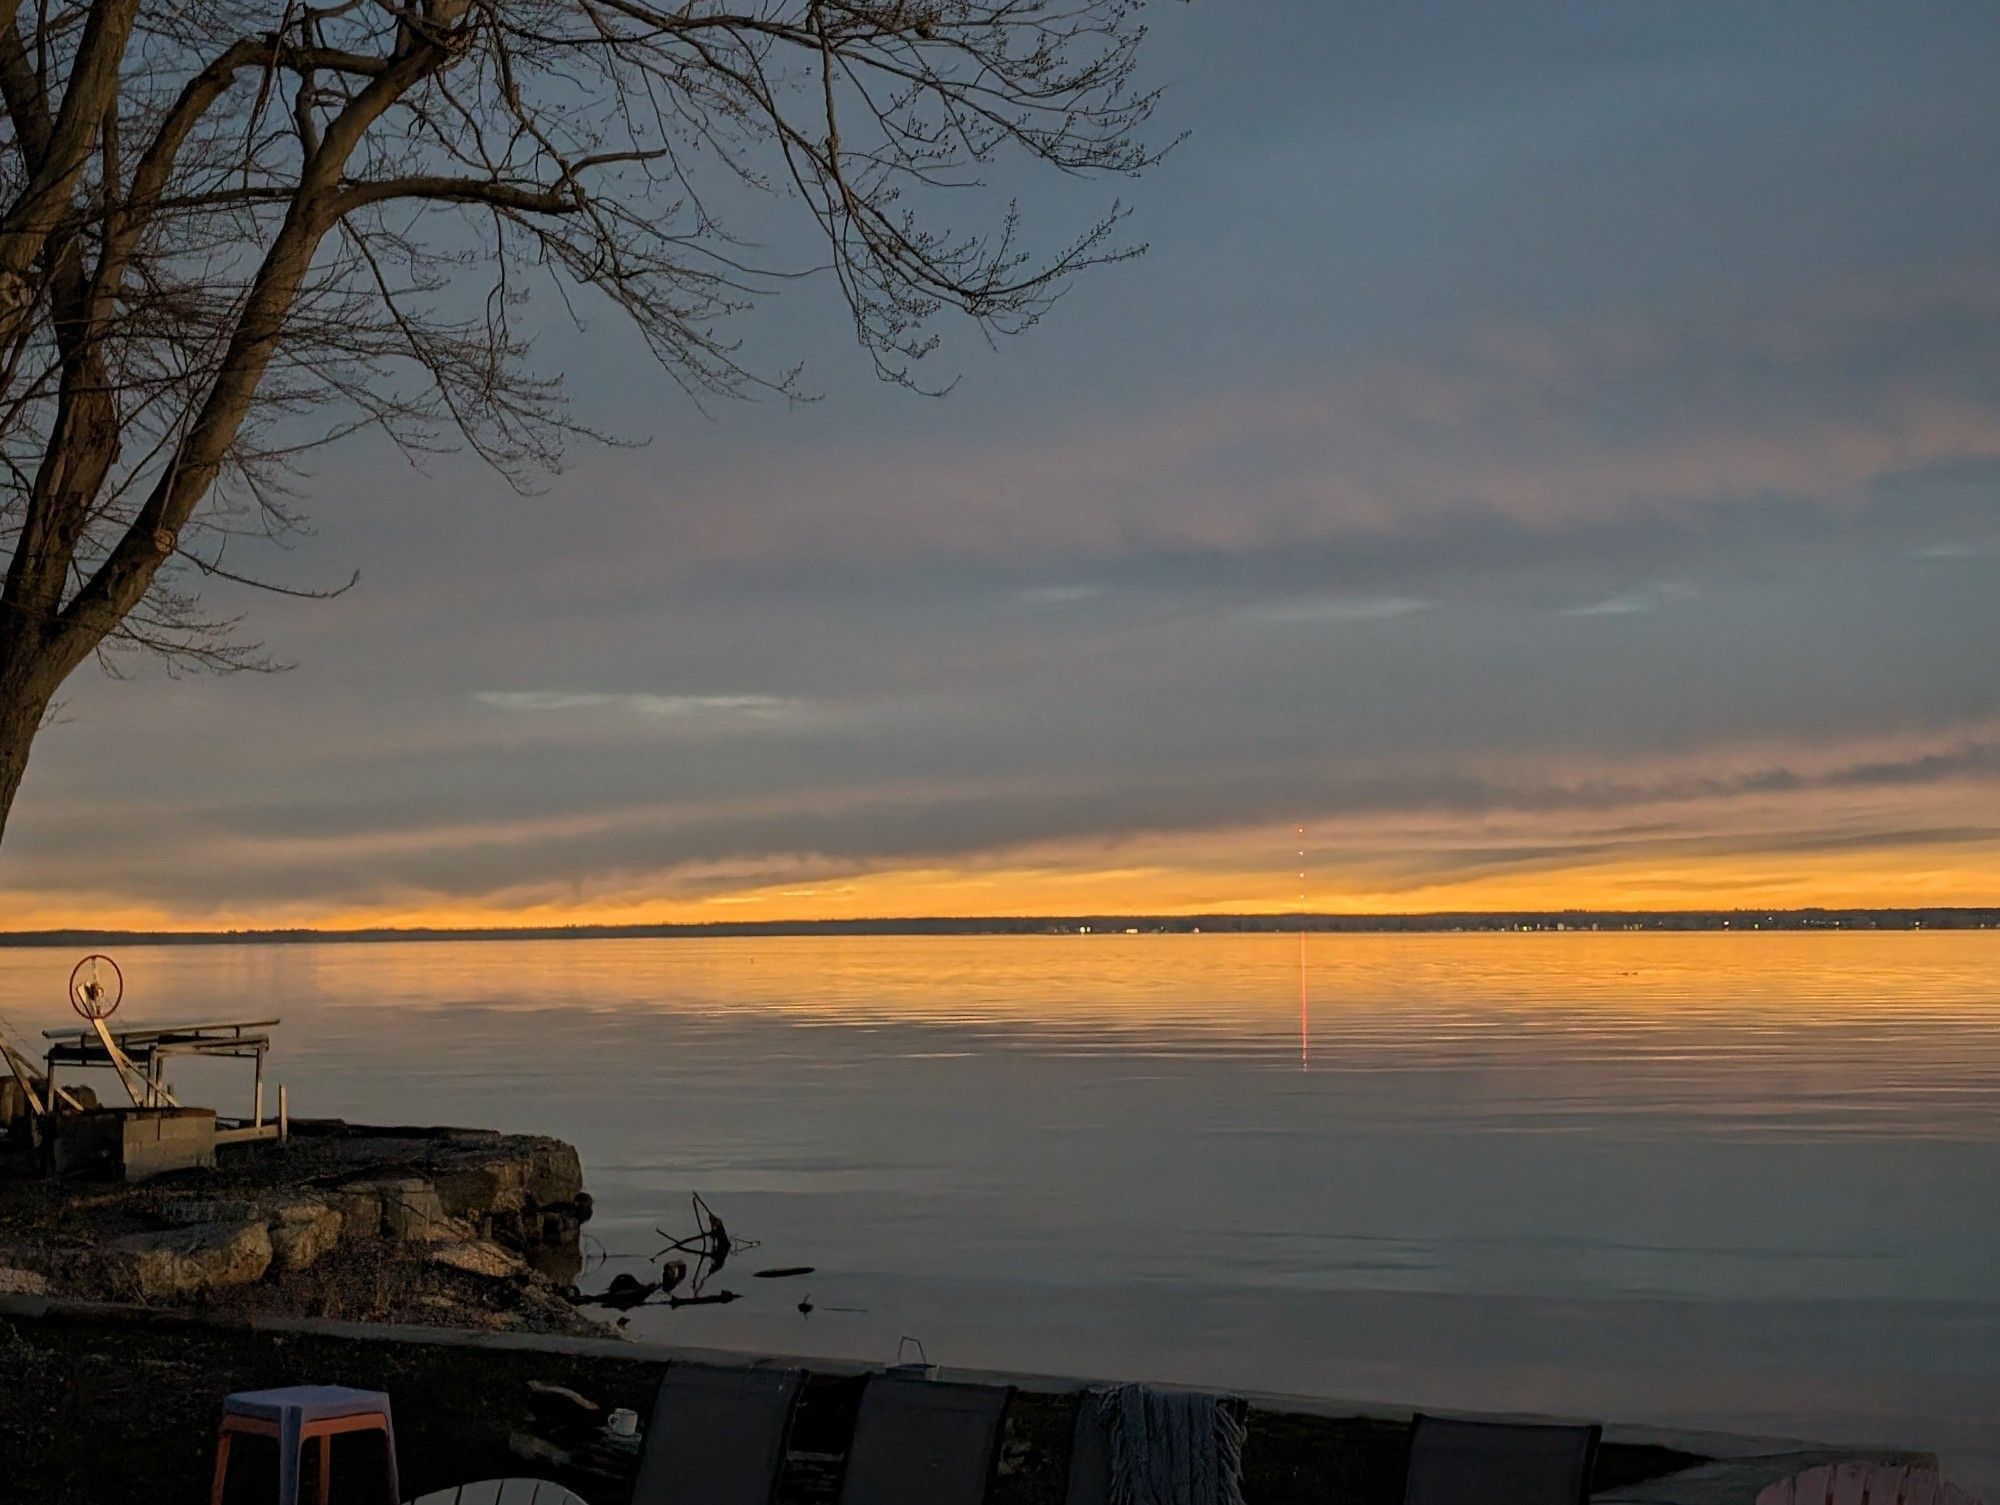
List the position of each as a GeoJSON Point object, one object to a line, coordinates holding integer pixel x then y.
{"type": "Point", "coordinates": [923, 1442]}
{"type": "Point", "coordinates": [1499, 1463]}
{"type": "Point", "coordinates": [717, 1436]}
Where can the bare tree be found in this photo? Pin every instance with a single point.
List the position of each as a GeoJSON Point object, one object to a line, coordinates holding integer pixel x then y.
{"type": "Point", "coordinates": [236, 231]}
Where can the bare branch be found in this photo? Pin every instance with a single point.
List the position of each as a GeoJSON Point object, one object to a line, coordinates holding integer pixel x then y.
{"type": "Point", "coordinates": [237, 232]}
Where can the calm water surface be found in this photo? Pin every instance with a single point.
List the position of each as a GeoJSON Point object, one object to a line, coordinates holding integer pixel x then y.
{"type": "Point", "coordinates": [1749, 1181]}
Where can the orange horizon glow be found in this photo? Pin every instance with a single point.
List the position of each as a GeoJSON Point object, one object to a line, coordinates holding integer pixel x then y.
{"type": "Point", "coordinates": [1878, 879]}
{"type": "Point", "coordinates": [1822, 838]}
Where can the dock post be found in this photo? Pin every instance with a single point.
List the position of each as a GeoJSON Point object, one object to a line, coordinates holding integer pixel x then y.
{"type": "Point", "coordinates": [284, 1115]}
{"type": "Point", "coordinates": [257, 1103]}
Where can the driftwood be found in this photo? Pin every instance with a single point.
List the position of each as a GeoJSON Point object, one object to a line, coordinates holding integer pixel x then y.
{"type": "Point", "coordinates": [711, 1244]}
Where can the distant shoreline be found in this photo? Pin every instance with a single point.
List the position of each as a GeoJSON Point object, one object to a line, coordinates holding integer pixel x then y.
{"type": "Point", "coordinates": [1439, 923]}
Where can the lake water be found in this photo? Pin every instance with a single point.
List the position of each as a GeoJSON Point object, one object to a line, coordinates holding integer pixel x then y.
{"type": "Point", "coordinates": [1737, 1181]}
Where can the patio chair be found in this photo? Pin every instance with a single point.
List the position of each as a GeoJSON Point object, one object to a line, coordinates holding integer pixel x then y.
{"type": "Point", "coordinates": [924, 1442]}
{"type": "Point", "coordinates": [1499, 1463]}
{"type": "Point", "coordinates": [717, 1436]}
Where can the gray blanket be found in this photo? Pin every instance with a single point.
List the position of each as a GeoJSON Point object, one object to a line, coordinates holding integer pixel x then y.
{"type": "Point", "coordinates": [1170, 1447]}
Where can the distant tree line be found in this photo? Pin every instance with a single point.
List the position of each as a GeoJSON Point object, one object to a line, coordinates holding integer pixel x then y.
{"type": "Point", "coordinates": [1469, 921]}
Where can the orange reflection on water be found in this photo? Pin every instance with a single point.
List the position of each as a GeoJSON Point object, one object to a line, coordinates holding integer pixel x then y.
{"type": "Point", "coordinates": [1871, 1028]}
{"type": "Point", "coordinates": [1214, 980]}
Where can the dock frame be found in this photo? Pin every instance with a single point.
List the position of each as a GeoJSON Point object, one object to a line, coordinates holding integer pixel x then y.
{"type": "Point", "coordinates": [138, 1056]}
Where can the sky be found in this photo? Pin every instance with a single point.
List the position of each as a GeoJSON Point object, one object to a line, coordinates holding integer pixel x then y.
{"type": "Point", "coordinates": [1549, 456]}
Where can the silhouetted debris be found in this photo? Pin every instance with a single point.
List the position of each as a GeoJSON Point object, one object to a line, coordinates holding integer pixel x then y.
{"type": "Point", "coordinates": [623, 1294]}
{"type": "Point", "coordinates": [718, 1298]}
{"type": "Point", "coordinates": [678, 1283]}
{"type": "Point", "coordinates": [710, 1243]}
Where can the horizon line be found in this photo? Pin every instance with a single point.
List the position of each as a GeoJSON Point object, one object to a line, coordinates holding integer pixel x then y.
{"type": "Point", "coordinates": [1807, 917]}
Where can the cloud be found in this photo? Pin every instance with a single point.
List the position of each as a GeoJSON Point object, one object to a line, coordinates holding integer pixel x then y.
{"type": "Point", "coordinates": [1392, 827]}
{"type": "Point", "coordinates": [1569, 422]}
{"type": "Point", "coordinates": [1334, 609]}
{"type": "Point", "coordinates": [747, 709]}
{"type": "Point", "coordinates": [1640, 602]}
{"type": "Point", "coordinates": [1036, 597]}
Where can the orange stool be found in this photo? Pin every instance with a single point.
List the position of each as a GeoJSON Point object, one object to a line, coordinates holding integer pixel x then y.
{"type": "Point", "coordinates": [299, 1414]}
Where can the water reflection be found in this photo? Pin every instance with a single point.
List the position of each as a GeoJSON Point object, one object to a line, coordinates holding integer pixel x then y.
{"type": "Point", "coordinates": [1305, 1012]}
{"type": "Point", "coordinates": [1675, 1176]}
{"type": "Point", "coordinates": [1878, 1034]}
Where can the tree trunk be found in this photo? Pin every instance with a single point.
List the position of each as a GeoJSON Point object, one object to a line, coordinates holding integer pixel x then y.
{"type": "Point", "coordinates": [25, 692]}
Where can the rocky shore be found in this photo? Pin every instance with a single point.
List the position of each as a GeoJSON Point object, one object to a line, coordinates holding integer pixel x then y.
{"type": "Point", "coordinates": [435, 1226]}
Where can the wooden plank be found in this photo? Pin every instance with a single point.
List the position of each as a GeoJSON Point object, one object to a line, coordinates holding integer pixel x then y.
{"type": "Point", "coordinates": [91, 1052]}
{"type": "Point", "coordinates": [119, 1064]}
{"type": "Point", "coordinates": [152, 1031]}
{"type": "Point", "coordinates": [246, 1133]}
{"type": "Point", "coordinates": [25, 1076]}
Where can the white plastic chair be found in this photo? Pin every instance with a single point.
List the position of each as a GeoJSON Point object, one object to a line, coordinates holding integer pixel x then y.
{"type": "Point", "coordinates": [502, 1492]}
{"type": "Point", "coordinates": [1861, 1483]}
